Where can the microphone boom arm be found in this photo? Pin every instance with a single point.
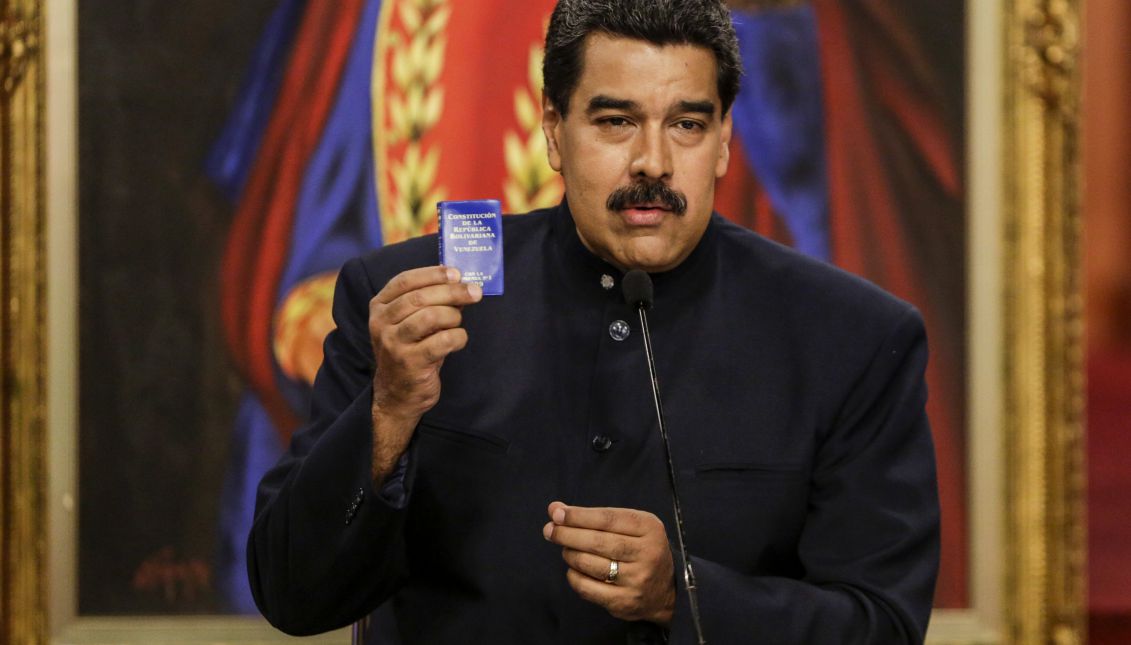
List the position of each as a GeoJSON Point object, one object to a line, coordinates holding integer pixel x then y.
{"type": "Point", "coordinates": [688, 572]}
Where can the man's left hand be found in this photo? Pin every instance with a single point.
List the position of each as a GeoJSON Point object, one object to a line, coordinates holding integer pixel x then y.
{"type": "Point", "coordinates": [592, 538]}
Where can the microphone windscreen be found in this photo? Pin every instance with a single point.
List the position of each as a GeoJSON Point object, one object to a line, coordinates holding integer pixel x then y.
{"type": "Point", "coordinates": [637, 288]}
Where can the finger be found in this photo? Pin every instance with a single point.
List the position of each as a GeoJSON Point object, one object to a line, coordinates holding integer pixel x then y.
{"type": "Point", "coordinates": [414, 279]}
{"type": "Point", "coordinates": [428, 321]}
{"type": "Point", "coordinates": [610, 546]}
{"type": "Point", "coordinates": [454, 294]}
{"type": "Point", "coordinates": [594, 566]}
{"type": "Point", "coordinates": [625, 521]}
{"type": "Point", "coordinates": [437, 346]}
{"type": "Point", "coordinates": [552, 509]}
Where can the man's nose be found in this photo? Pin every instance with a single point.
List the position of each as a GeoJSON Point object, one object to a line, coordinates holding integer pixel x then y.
{"type": "Point", "coordinates": [651, 155]}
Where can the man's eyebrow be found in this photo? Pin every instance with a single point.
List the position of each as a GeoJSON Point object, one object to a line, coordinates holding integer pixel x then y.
{"type": "Point", "coordinates": [697, 107]}
{"type": "Point", "coordinates": [602, 102]}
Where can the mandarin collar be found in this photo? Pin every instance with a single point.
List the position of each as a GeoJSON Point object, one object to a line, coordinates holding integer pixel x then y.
{"type": "Point", "coordinates": [583, 268]}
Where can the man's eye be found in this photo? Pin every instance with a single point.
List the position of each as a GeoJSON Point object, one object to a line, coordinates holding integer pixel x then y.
{"type": "Point", "coordinates": [689, 125]}
{"type": "Point", "coordinates": [615, 121]}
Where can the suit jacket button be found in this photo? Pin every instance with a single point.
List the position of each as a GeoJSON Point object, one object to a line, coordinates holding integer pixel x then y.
{"type": "Point", "coordinates": [619, 330]}
{"type": "Point", "coordinates": [601, 443]}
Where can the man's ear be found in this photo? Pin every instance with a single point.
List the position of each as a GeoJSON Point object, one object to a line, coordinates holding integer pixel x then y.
{"type": "Point", "coordinates": [724, 147]}
{"type": "Point", "coordinates": [551, 127]}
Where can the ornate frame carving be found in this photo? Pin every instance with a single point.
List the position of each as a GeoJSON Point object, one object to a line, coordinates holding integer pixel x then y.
{"type": "Point", "coordinates": [1040, 357]}
{"type": "Point", "coordinates": [1043, 421]}
{"type": "Point", "coordinates": [23, 456]}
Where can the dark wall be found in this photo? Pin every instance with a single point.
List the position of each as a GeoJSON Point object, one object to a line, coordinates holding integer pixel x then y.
{"type": "Point", "coordinates": [157, 392]}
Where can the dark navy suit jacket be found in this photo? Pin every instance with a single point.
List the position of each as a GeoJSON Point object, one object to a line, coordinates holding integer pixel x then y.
{"type": "Point", "coordinates": [794, 395]}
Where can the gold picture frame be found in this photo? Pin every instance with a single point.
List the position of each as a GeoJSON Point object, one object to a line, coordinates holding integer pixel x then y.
{"type": "Point", "coordinates": [1027, 505]}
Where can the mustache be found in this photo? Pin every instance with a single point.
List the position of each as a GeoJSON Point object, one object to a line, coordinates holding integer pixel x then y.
{"type": "Point", "coordinates": [647, 192]}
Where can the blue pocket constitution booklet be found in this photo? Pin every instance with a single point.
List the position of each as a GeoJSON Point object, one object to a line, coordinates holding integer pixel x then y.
{"type": "Point", "coordinates": [471, 240]}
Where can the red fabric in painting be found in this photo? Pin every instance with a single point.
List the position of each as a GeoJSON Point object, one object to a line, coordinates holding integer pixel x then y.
{"type": "Point", "coordinates": [260, 236]}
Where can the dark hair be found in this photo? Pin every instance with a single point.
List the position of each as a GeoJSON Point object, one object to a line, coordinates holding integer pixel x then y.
{"type": "Point", "coordinates": [705, 23]}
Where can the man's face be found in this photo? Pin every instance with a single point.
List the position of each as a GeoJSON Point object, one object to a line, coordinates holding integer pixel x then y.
{"type": "Point", "coordinates": [645, 127]}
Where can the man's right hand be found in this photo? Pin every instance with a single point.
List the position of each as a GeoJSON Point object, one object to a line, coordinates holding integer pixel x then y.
{"type": "Point", "coordinates": [414, 323]}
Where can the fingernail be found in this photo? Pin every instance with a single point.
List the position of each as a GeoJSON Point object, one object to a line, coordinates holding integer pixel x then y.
{"type": "Point", "coordinates": [559, 516]}
{"type": "Point", "coordinates": [475, 291]}
{"type": "Point", "coordinates": [547, 531]}
{"type": "Point", "coordinates": [453, 274]}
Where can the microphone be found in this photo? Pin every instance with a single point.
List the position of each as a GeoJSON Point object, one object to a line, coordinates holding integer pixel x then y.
{"type": "Point", "coordinates": [637, 288]}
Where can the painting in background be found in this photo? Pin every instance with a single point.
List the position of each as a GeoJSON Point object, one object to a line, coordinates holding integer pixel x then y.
{"type": "Point", "coordinates": [353, 119]}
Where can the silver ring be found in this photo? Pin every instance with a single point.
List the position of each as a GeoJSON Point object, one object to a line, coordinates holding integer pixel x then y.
{"type": "Point", "coordinates": [614, 571]}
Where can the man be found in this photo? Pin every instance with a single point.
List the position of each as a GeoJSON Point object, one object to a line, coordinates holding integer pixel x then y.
{"type": "Point", "coordinates": [452, 437]}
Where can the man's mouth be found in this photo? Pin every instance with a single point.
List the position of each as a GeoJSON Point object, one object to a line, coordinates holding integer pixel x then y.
{"type": "Point", "coordinates": [646, 207]}
{"type": "Point", "coordinates": [644, 214]}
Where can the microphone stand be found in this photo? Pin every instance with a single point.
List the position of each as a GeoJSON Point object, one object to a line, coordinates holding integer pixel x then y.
{"type": "Point", "coordinates": [688, 572]}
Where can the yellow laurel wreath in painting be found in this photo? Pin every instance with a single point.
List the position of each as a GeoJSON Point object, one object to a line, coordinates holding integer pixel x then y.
{"type": "Point", "coordinates": [411, 107]}
{"type": "Point", "coordinates": [530, 182]}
